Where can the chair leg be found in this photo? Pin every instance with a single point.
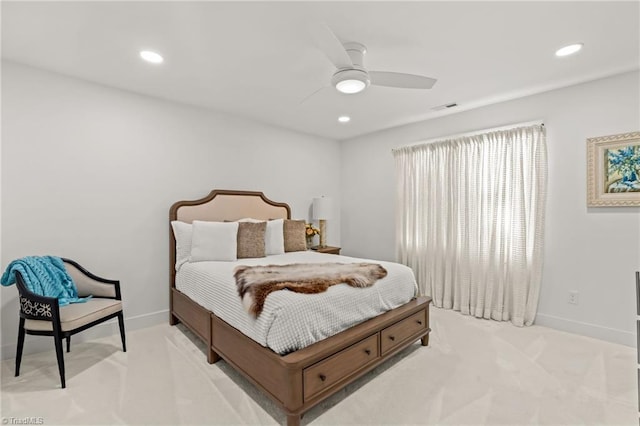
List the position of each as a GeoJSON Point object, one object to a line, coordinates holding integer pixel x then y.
{"type": "Point", "coordinates": [121, 325]}
{"type": "Point", "coordinates": [68, 343]}
{"type": "Point", "coordinates": [60, 355]}
{"type": "Point", "coordinates": [21, 333]}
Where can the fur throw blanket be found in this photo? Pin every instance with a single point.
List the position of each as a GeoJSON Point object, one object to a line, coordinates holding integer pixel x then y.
{"type": "Point", "coordinates": [255, 283]}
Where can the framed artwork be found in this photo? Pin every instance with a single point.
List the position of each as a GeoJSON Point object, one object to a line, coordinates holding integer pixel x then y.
{"type": "Point", "coordinates": [613, 170]}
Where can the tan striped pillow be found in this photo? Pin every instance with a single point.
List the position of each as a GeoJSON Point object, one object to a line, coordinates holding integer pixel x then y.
{"type": "Point", "coordinates": [294, 236]}
{"type": "Point", "coordinates": [251, 239]}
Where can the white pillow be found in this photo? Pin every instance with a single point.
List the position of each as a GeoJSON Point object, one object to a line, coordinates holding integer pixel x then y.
{"type": "Point", "coordinates": [214, 241]}
{"type": "Point", "coordinates": [274, 237]}
{"type": "Point", "coordinates": [182, 232]}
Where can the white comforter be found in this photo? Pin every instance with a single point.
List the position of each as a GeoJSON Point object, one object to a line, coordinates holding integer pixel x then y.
{"type": "Point", "coordinates": [291, 321]}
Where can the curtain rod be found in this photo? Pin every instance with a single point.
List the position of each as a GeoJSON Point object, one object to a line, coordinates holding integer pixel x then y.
{"type": "Point", "coordinates": [473, 133]}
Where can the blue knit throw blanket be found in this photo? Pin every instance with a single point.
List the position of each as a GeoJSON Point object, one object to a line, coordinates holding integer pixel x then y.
{"type": "Point", "coordinates": [45, 276]}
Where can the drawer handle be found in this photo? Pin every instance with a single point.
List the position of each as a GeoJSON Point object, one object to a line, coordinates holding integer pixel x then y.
{"type": "Point", "coordinates": [419, 322]}
{"type": "Point", "coordinates": [322, 377]}
{"type": "Point", "coordinates": [367, 351]}
{"type": "Point", "coordinates": [392, 338]}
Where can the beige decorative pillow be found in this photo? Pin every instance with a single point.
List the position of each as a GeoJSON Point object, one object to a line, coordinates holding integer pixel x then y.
{"type": "Point", "coordinates": [251, 239]}
{"type": "Point", "coordinates": [294, 235]}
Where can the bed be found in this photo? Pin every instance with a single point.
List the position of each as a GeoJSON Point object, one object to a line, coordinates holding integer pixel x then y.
{"type": "Point", "coordinates": [296, 379]}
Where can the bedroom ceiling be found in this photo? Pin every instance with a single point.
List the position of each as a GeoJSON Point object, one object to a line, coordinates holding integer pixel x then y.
{"type": "Point", "coordinates": [258, 60]}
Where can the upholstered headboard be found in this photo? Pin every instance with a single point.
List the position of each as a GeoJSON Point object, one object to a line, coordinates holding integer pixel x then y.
{"type": "Point", "coordinates": [221, 205]}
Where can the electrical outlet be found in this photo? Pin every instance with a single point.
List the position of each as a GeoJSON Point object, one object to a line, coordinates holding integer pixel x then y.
{"type": "Point", "coordinates": [573, 297]}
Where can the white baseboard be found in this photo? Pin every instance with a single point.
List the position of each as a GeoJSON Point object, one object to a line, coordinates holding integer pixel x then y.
{"type": "Point", "coordinates": [34, 344]}
{"type": "Point", "coordinates": [622, 337]}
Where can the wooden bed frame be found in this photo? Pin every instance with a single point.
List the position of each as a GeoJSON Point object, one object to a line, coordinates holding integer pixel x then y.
{"type": "Point", "coordinates": [299, 380]}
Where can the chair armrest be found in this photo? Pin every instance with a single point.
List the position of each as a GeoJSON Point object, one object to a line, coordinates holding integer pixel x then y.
{"type": "Point", "coordinates": [34, 306]}
{"type": "Point", "coordinates": [91, 284]}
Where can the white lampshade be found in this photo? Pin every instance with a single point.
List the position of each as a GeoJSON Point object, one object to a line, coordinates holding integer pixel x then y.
{"type": "Point", "coordinates": [321, 208]}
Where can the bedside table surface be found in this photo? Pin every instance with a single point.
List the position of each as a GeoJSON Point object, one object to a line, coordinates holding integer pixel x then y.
{"type": "Point", "coordinates": [326, 249]}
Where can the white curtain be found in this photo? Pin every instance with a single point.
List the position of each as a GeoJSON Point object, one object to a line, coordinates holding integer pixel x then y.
{"type": "Point", "coordinates": [470, 221]}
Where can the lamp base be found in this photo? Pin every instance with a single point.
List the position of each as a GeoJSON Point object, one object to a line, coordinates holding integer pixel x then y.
{"type": "Point", "coordinates": [323, 234]}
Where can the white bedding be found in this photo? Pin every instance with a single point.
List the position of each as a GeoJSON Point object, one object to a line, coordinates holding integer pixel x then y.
{"type": "Point", "coordinates": [292, 321]}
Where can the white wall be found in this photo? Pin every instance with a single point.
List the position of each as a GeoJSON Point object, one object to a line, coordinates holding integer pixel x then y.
{"type": "Point", "coordinates": [90, 172]}
{"type": "Point", "coordinates": [594, 251]}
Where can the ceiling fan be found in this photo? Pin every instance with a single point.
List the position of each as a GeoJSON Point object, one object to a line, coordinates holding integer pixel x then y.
{"type": "Point", "coordinates": [351, 76]}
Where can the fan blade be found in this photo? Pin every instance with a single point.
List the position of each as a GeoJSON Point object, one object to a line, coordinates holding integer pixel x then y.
{"type": "Point", "coordinates": [327, 41]}
{"type": "Point", "coordinates": [311, 95]}
{"type": "Point", "coordinates": [398, 79]}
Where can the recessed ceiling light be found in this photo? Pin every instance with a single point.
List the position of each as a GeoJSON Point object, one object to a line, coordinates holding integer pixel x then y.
{"type": "Point", "coordinates": [344, 119]}
{"type": "Point", "coordinates": [569, 50]}
{"type": "Point", "coordinates": [152, 57]}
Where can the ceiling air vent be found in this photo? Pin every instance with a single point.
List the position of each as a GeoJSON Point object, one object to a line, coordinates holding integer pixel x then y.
{"type": "Point", "coordinates": [445, 106]}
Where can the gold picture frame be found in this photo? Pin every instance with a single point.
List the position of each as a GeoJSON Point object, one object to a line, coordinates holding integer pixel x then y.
{"type": "Point", "coordinates": [613, 170]}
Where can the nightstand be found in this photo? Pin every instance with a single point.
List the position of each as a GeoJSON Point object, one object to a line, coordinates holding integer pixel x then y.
{"type": "Point", "coordinates": [326, 249]}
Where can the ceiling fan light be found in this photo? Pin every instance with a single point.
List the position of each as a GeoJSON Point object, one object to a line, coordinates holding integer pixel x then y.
{"type": "Point", "coordinates": [351, 86]}
{"type": "Point", "coordinates": [350, 81]}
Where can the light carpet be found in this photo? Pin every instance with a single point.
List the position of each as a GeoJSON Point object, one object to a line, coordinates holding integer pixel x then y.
{"type": "Point", "coordinates": [474, 372]}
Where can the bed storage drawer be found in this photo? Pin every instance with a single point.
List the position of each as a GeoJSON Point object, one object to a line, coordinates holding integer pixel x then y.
{"type": "Point", "coordinates": [402, 330]}
{"type": "Point", "coordinates": [324, 374]}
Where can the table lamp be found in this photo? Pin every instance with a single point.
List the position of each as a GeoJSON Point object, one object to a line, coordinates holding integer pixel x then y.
{"type": "Point", "coordinates": [322, 212]}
